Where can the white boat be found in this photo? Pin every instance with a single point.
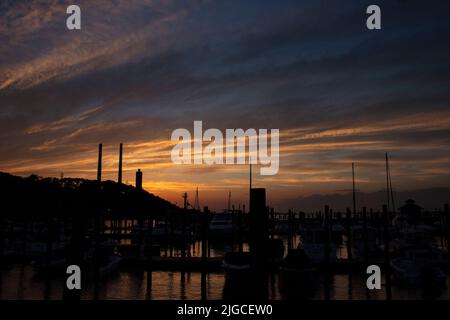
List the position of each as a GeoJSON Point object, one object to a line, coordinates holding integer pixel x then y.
{"type": "Point", "coordinates": [357, 241]}
{"type": "Point", "coordinates": [109, 258]}
{"type": "Point", "coordinates": [235, 263]}
{"type": "Point", "coordinates": [314, 241]}
{"type": "Point", "coordinates": [55, 263]}
{"type": "Point", "coordinates": [221, 225]}
{"type": "Point", "coordinates": [111, 266]}
{"type": "Point", "coordinates": [418, 235]}
{"type": "Point", "coordinates": [414, 266]}
{"type": "Point", "coordinates": [39, 248]}
{"type": "Point", "coordinates": [138, 232]}
{"type": "Point", "coordinates": [298, 278]}
{"type": "Point", "coordinates": [161, 230]}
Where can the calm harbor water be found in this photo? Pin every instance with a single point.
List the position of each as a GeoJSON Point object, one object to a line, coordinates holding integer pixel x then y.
{"type": "Point", "coordinates": [20, 282]}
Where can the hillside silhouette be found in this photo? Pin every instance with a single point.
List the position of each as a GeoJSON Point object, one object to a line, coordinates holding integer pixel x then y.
{"type": "Point", "coordinates": [429, 199]}
{"type": "Point", "coordinates": [38, 197]}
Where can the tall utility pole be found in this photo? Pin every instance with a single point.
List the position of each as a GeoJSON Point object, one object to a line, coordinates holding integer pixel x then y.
{"type": "Point", "coordinates": [197, 201]}
{"type": "Point", "coordinates": [99, 165]}
{"type": "Point", "coordinates": [119, 179]}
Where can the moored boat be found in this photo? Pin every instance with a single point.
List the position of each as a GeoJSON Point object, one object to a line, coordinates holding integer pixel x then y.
{"type": "Point", "coordinates": [297, 276]}
{"type": "Point", "coordinates": [418, 266]}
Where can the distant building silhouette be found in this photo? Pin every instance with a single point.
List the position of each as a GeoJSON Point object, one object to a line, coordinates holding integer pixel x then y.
{"type": "Point", "coordinates": [411, 212]}
{"type": "Point", "coordinates": [139, 179]}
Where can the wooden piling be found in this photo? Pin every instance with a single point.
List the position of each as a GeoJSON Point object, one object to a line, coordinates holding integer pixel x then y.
{"type": "Point", "coordinates": [207, 236]}
{"type": "Point", "coordinates": [294, 229]}
{"type": "Point", "coordinates": [447, 215]}
{"type": "Point", "coordinates": [97, 255]}
{"type": "Point", "coordinates": [387, 254]}
{"type": "Point", "coordinates": [327, 235]}
{"type": "Point", "coordinates": [74, 255]}
{"type": "Point", "coordinates": [140, 238]}
{"type": "Point", "coordinates": [25, 239]}
{"type": "Point", "coordinates": [327, 249]}
{"type": "Point", "coordinates": [48, 256]}
{"type": "Point", "coordinates": [184, 222]}
{"type": "Point", "coordinates": [259, 237]}
{"type": "Point", "coordinates": [171, 235]}
{"type": "Point", "coordinates": [272, 223]}
{"type": "Point", "coordinates": [204, 236]}
{"type": "Point", "coordinates": [166, 232]}
{"type": "Point", "coordinates": [2, 241]}
{"type": "Point", "coordinates": [290, 229]}
{"type": "Point", "coordinates": [349, 233]}
{"type": "Point", "coordinates": [365, 237]}
{"type": "Point", "coordinates": [149, 257]}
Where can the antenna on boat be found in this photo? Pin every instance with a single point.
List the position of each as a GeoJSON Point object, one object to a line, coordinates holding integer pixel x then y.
{"type": "Point", "coordinates": [389, 191]}
{"type": "Point", "coordinates": [387, 180]}
{"type": "Point", "coordinates": [229, 200]}
{"type": "Point", "coordinates": [353, 189]}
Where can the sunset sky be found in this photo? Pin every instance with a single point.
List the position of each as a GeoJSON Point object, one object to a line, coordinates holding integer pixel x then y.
{"type": "Point", "coordinates": [138, 70]}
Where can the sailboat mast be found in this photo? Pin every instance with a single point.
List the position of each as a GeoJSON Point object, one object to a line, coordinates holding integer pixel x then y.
{"type": "Point", "coordinates": [354, 190]}
{"type": "Point", "coordinates": [250, 186]}
{"type": "Point", "coordinates": [250, 176]}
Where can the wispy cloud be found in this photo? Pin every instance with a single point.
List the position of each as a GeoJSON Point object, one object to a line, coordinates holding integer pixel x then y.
{"type": "Point", "coordinates": [140, 69]}
{"type": "Point", "coordinates": [63, 122]}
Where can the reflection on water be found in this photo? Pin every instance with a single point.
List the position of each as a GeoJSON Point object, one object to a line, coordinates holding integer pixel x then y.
{"type": "Point", "coordinates": [20, 282]}
{"type": "Point", "coordinates": [218, 249]}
